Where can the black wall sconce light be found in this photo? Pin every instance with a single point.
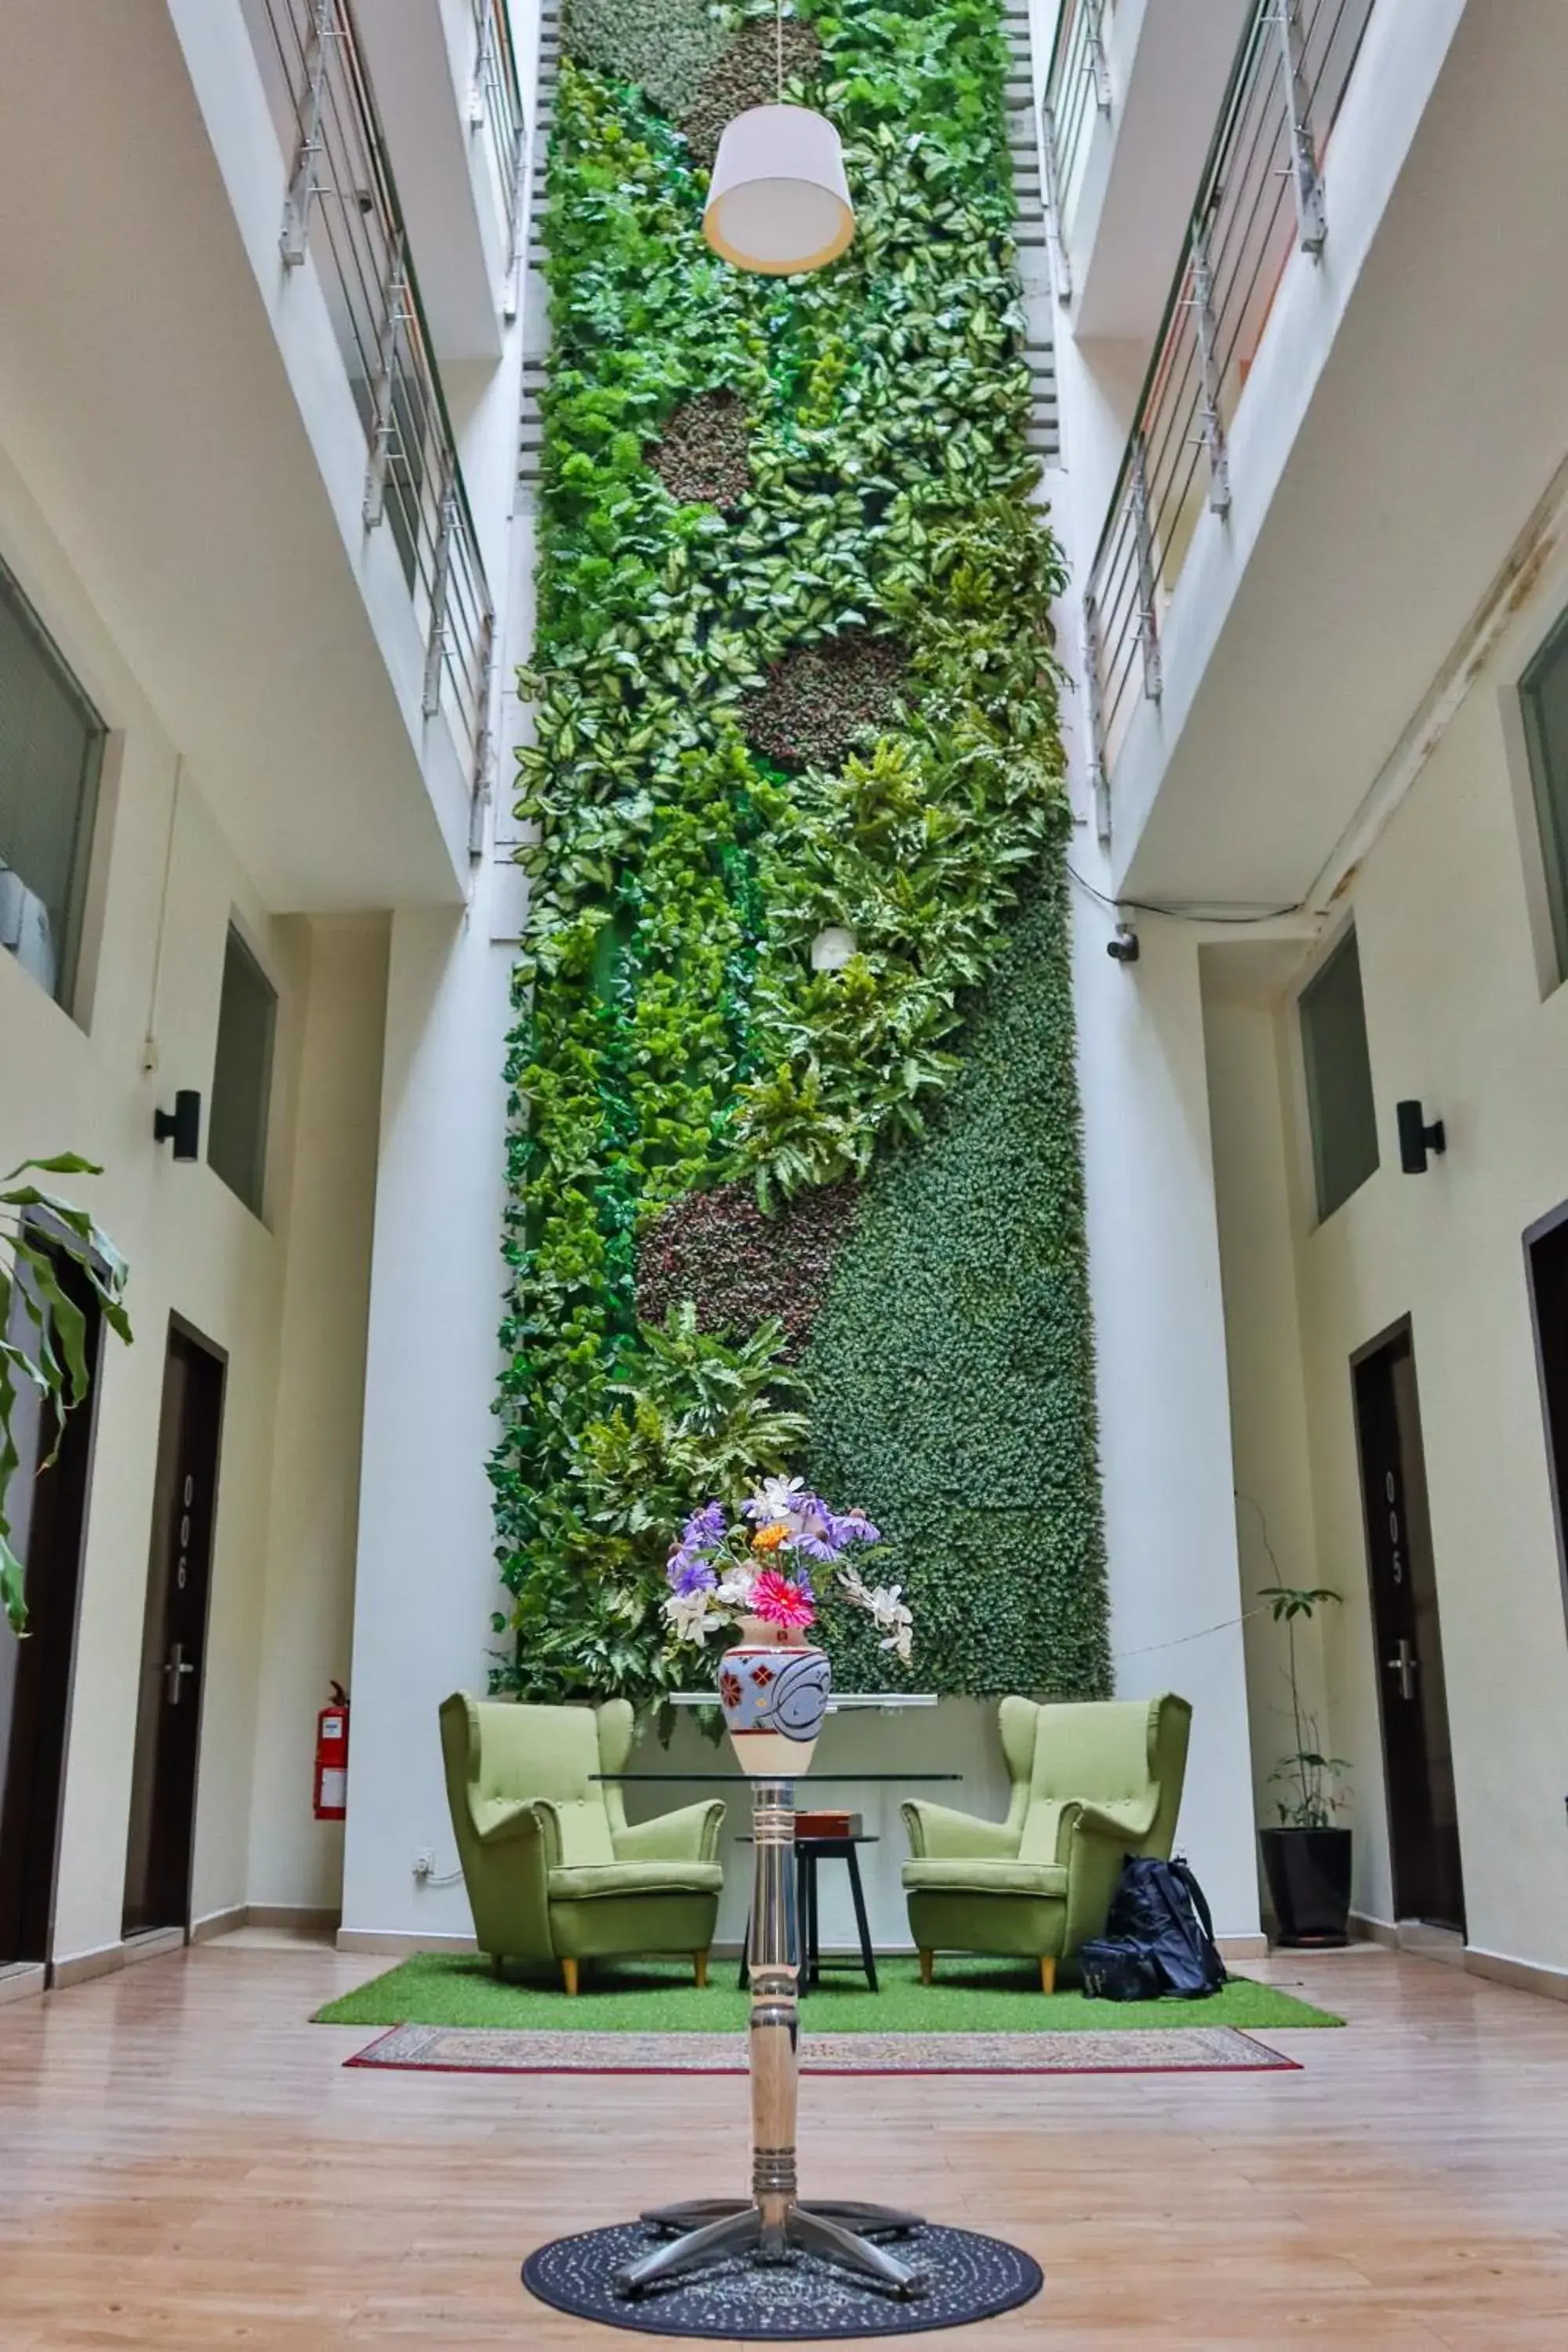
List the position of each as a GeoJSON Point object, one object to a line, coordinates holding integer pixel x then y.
{"type": "Point", "coordinates": [181, 1125]}
{"type": "Point", "coordinates": [1417, 1137]}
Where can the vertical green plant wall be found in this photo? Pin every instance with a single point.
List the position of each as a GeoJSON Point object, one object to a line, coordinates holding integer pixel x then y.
{"type": "Point", "coordinates": [795, 1176]}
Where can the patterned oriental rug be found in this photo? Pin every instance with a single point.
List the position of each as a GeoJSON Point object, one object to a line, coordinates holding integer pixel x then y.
{"type": "Point", "coordinates": [487, 2050]}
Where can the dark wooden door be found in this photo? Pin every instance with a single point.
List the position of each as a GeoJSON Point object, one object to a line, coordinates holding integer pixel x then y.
{"type": "Point", "coordinates": [173, 1640]}
{"type": "Point", "coordinates": [1423, 1816]}
{"type": "Point", "coordinates": [48, 1526]}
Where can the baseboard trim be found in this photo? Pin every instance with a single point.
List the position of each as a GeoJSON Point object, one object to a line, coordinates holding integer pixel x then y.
{"type": "Point", "coordinates": [1242, 1948]}
{"type": "Point", "coordinates": [397, 1945]}
{"type": "Point", "coordinates": [1522, 1975]}
{"type": "Point", "coordinates": [80, 1967]}
{"type": "Point", "coordinates": [220, 1923]}
{"type": "Point", "coordinates": [1497, 1968]}
{"type": "Point", "coordinates": [292, 1914]}
{"type": "Point", "coordinates": [22, 1980]}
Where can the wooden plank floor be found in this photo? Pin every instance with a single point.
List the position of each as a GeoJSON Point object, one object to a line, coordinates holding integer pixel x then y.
{"type": "Point", "coordinates": [184, 2162]}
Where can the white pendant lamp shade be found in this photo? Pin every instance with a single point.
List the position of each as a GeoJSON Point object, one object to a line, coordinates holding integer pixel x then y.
{"type": "Point", "coordinates": [778, 201]}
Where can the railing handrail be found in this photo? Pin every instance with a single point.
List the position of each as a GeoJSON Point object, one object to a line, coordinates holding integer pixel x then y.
{"type": "Point", "coordinates": [1065, 117]}
{"type": "Point", "coordinates": [1208, 179]}
{"type": "Point", "coordinates": [1241, 230]}
{"type": "Point", "coordinates": [397, 229]}
{"type": "Point", "coordinates": [384, 334]}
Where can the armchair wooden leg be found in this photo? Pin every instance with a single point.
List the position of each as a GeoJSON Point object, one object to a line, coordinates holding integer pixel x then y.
{"type": "Point", "coordinates": [1048, 1976]}
{"type": "Point", "coordinates": [928, 1962]}
{"type": "Point", "coordinates": [700, 1962]}
{"type": "Point", "coordinates": [569, 1971]}
{"type": "Point", "coordinates": [498, 1964]}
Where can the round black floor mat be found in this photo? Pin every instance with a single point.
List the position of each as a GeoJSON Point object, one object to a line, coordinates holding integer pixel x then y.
{"type": "Point", "coordinates": [799, 2300]}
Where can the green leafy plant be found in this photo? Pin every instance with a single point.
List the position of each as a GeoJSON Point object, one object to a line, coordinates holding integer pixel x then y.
{"type": "Point", "coordinates": [37, 1228]}
{"type": "Point", "coordinates": [695, 1415]}
{"type": "Point", "coordinates": [1309, 1776]}
{"type": "Point", "coordinates": [701, 1120]}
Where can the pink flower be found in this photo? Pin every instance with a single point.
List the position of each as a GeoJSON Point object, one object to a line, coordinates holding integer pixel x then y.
{"type": "Point", "coordinates": [780, 1603]}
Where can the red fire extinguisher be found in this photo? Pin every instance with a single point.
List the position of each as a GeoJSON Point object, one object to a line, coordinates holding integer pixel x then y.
{"type": "Point", "coordinates": [332, 1758]}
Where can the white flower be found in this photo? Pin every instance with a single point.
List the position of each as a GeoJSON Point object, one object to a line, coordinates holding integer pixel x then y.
{"type": "Point", "coordinates": [692, 1615]}
{"type": "Point", "coordinates": [735, 1589]}
{"type": "Point", "coordinates": [775, 1499]}
{"type": "Point", "coordinates": [886, 1609]}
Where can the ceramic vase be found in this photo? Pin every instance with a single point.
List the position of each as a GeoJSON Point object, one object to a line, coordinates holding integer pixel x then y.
{"type": "Point", "coordinates": [773, 1688]}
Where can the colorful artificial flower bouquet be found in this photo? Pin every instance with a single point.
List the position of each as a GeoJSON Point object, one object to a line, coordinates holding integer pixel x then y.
{"type": "Point", "coordinates": [759, 1565]}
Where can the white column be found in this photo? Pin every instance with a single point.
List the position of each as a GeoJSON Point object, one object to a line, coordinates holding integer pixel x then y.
{"type": "Point", "coordinates": [1165, 1444]}
{"type": "Point", "coordinates": [426, 1581]}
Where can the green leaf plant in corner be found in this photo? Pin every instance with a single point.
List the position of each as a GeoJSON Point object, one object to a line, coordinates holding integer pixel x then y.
{"type": "Point", "coordinates": [43, 1328]}
{"type": "Point", "coordinates": [1309, 1778]}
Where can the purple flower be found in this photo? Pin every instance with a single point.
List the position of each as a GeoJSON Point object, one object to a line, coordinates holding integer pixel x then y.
{"type": "Point", "coordinates": [687, 1574]}
{"type": "Point", "coordinates": [704, 1529]}
{"type": "Point", "coordinates": [853, 1526]}
{"type": "Point", "coordinates": [811, 1547]}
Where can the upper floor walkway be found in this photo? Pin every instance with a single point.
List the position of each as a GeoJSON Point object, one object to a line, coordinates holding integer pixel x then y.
{"type": "Point", "coordinates": [1295, 484]}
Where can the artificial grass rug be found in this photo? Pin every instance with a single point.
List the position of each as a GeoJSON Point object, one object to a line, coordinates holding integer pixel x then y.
{"type": "Point", "coordinates": [970, 1995]}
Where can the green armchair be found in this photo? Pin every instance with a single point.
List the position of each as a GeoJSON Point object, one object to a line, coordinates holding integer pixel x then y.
{"type": "Point", "coordinates": [551, 1868]}
{"type": "Point", "coordinates": [1092, 1784]}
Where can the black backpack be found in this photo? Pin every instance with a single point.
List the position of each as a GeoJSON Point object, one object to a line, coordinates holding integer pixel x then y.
{"type": "Point", "coordinates": [1159, 1938]}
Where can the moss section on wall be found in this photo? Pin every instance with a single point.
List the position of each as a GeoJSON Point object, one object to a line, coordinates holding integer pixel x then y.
{"type": "Point", "coordinates": [950, 1364]}
{"type": "Point", "coordinates": [868, 590]}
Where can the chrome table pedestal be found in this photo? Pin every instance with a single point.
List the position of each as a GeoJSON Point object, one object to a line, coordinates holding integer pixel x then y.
{"type": "Point", "coordinates": [772, 2220]}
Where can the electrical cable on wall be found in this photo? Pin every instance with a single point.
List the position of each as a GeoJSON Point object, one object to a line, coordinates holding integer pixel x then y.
{"type": "Point", "coordinates": [1181, 914]}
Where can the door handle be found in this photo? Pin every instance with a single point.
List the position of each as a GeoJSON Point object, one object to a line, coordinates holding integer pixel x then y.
{"type": "Point", "coordinates": [1407, 1665]}
{"type": "Point", "coordinates": [175, 1668]}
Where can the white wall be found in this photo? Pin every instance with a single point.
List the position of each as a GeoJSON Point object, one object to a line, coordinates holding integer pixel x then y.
{"type": "Point", "coordinates": [192, 1246]}
{"type": "Point", "coordinates": [1165, 1456]}
{"type": "Point", "coordinates": [1459, 1014]}
{"type": "Point", "coordinates": [296, 1862]}
{"type": "Point", "coordinates": [1455, 1015]}
{"type": "Point", "coordinates": [1275, 1526]}
{"type": "Point", "coordinates": [426, 1583]}
{"type": "Point", "coordinates": [194, 1249]}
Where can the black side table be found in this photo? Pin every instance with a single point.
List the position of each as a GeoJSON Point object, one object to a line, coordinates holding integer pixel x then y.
{"type": "Point", "coordinates": [808, 1852]}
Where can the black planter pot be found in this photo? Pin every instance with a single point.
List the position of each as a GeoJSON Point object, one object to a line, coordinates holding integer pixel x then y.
{"type": "Point", "coordinates": [1309, 1874]}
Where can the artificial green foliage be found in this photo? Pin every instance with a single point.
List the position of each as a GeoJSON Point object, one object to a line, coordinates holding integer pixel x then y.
{"type": "Point", "coordinates": [700, 455]}
{"type": "Point", "coordinates": [673, 1045]}
{"type": "Point", "coordinates": [951, 1364]}
{"type": "Point", "coordinates": [664, 46]}
{"type": "Point", "coordinates": [698, 1417]}
{"type": "Point", "coordinates": [738, 1266]}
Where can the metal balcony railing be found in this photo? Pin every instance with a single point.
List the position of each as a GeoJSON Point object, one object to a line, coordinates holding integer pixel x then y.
{"type": "Point", "coordinates": [1076, 90]}
{"type": "Point", "coordinates": [342, 211]}
{"type": "Point", "coordinates": [495, 107]}
{"type": "Point", "coordinates": [1260, 196]}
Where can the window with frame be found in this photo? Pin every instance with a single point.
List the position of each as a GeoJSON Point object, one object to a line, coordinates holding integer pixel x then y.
{"type": "Point", "coordinates": [52, 757]}
{"type": "Point", "coordinates": [242, 1074]}
{"type": "Point", "coordinates": [1543, 698]}
{"type": "Point", "coordinates": [1340, 1106]}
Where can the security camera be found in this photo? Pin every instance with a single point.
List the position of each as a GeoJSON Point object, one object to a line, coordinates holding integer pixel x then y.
{"type": "Point", "coordinates": [1123, 948]}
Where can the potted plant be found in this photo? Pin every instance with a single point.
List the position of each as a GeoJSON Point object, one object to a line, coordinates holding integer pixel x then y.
{"type": "Point", "coordinates": [1306, 1859]}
